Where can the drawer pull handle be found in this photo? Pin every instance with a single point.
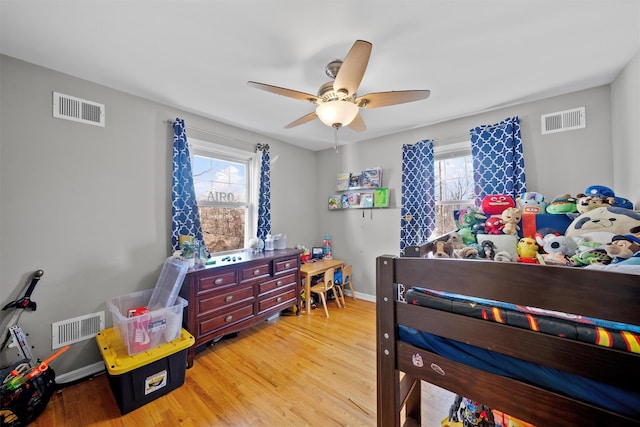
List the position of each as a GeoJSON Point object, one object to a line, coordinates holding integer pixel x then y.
{"type": "Point", "coordinates": [279, 283]}
{"type": "Point", "coordinates": [229, 318]}
{"type": "Point", "coordinates": [219, 281]}
{"type": "Point", "coordinates": [279, 299]}
{"type": "Point", "coordinates": [229, 298]}
{"type": "Point", "coordinates": [256, 272]}
{"type": "Point", "coordinates": [287, 265]}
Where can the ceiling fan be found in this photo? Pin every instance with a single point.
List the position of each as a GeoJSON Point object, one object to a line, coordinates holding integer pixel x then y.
{"type": "Point", "coordinates": [337, 102]}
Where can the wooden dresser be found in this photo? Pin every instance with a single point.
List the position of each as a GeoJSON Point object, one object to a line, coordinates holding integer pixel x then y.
{"type": "Point", "coordinates": [238, 291]}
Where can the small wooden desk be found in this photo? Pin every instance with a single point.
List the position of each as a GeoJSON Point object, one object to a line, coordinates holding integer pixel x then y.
{"type": "Point", "coordinates": [310, 269]}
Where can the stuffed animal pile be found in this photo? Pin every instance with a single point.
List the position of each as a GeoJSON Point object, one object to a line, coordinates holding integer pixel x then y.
{"type": "Point", "coordinates": [594, 227]}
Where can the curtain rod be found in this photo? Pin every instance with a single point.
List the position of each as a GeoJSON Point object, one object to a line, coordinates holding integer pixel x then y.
{"type": "Point", "coordinates": [172, 122]}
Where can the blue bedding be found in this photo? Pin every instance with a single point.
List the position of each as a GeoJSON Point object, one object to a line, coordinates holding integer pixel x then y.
{"type": "Point", "coordinates": [587, 390]}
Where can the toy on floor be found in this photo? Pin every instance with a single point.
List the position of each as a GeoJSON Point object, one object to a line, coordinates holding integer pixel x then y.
{"type": "Point", "coordinates": [470, 413]}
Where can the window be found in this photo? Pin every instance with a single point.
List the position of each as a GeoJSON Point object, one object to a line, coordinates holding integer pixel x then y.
{"type": "Point", "coordinates": [453, 168]}
{"type": "Point", "coordinates": [225, 182]}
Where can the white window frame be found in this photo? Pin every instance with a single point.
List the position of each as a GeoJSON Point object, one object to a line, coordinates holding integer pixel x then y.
{"type": "Point", "coordinates": [442, 152]}
{"type": "Point", "coordinates": [252, 160]}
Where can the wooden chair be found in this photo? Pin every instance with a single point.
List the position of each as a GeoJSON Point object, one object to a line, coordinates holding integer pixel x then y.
{"type": "Point", "coordinates": [325, 286]}
{"type": "Point", "coordinates": [346, 281]}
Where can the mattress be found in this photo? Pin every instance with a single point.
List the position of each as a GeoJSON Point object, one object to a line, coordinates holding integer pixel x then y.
{"type": "Point", "coordinates": [586, 329]}
{"type": "Point", "coordinates": [595, 331]}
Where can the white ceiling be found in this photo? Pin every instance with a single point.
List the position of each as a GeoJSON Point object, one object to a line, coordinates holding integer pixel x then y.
{"type": "Point", "coordinates": [474, 55]}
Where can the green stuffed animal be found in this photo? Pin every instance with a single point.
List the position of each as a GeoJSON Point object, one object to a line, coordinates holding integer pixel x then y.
{"type": "Point", "coordinates": [562, 204]}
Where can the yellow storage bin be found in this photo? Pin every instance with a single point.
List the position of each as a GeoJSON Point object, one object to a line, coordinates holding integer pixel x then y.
{"type": "Point", "coordinates": [139, 379]}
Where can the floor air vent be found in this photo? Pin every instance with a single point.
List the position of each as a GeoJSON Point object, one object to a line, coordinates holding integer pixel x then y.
{"type": "Point", "coordinates": [79, 110]}
{"type": "Point", "coordinates": [77, 329]}
{"type": "Point", "coordinates": [564, 120]}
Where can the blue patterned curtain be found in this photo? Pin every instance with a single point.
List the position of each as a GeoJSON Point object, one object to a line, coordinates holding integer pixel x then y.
{"type": "Point", "coordinates": [418, 199]}
{"type": "Point", "coordinates": [185, 218]}
{"type": "Point", "coordinates": [264, 200]}
{"type": "Point", "coordinates": [498, 161]}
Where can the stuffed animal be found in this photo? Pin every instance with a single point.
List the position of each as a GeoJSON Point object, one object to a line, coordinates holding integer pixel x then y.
{"type": "Point", "coordinates": [562, 204]}
{"type": "Point", "coordinates": [442, 249]}
{"type": "Point", "coordinates": [558, 249]}
{"type": "Point", "coordinates": [487, 250]}
{"type": "Point", "coordinates": [456, 240]}
{"type": "Point", "coordinates": [531, 202]}
{"type": "Point", "coordinates": [510, 218]}
{"type": "Point", "coordinates": [606, 193]}
{"type": "Point", "coordinates": [587, 203]}
{"type": "Point", "coordinates": [494, 204]}
{"type": "Point", "coordinates": [504, 256]}
{"type": "Point", "coordinates": [468, 252]}
{"type": "Point", "coordinates": [605, 219]}
{"type": "Point", "coordinates": [622, 247]}
{"type": "Point", "coordinates": [494, 225]}
{"type": "Point", "coordinates": [594, 256]}
{"type": "Point", "coordinates": [527, 250]}
{"type": "Point", "coordinates": [469, 221]}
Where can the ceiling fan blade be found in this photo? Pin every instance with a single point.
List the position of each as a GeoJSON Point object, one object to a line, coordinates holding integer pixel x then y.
{"type": "Point", "coordinates": [285, 92]}
{"type": "Point", "coordinates": [302, 120]}
{"type": "Point", "coordinates": [353, 68]}
{"type": "Point", "coordinates": [358, 124]}
{"type": "Point", "coordinates": [383, 99]}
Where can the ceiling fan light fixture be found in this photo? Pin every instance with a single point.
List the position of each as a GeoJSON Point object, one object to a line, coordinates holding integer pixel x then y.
{"type": "Point", "coordinates": [337, 113]}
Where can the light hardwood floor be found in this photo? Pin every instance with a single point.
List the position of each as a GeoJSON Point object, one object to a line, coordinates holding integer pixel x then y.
{"type": "Point", "coordinates": [292, 371]}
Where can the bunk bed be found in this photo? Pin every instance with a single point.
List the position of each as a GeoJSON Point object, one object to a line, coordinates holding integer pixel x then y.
{"type": "Point", "coordinates": [458, 347]}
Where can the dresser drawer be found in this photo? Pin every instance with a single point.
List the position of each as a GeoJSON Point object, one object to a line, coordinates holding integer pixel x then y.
{"type": "Point", "coordinates": [277, 283]}
{"type": "Point", "coordinates": [224, 320]}
{"type": "Point", "coordinates": [218, 280]}
{"type": "Point", "coordinates": [286, 265]}
{"type": "Point", "coordinates": [285, 298]}
{"type": "Point", "coordinates": [255, 271]}
{"type": "Point", "coordinates": [221, 300]}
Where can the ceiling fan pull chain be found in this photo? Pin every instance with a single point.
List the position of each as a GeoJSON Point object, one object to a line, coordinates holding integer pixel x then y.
{"type": "Point", "coordinates": [335, 139]}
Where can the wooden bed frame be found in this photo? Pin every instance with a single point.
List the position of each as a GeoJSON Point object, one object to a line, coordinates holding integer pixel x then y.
{"type": "Point", "coordinates": [593, 293]}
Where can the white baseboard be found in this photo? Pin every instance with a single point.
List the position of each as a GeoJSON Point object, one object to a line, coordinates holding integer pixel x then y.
{"type": "Point", "coordinates": [366, 297]}
{"type": "Point", "coordinates": [80, 373]}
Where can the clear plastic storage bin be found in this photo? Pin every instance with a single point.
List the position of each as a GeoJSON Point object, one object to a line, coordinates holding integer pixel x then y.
{"type": "Point", "coordinates": [147, 330]}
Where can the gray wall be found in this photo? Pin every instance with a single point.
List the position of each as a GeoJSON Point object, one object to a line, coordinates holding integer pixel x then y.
{"type": "Point", "coordinates": [625, 119]}
{"type": "Point", "coordinates": [91, 206]}
{"type": "Point", "coordinates": [565, 162]}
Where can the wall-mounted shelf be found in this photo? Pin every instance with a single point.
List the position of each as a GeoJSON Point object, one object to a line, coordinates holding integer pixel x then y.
{"type": "Point", "coordinates": [361, 190]}
{"type": "Point", "coordinates": [366, 199]}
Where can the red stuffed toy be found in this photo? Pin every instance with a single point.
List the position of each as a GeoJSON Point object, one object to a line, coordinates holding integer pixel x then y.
{"type": "Point", "coordinates": [495, 204]}
{"type": "Point", "coordinates": [494, 225]}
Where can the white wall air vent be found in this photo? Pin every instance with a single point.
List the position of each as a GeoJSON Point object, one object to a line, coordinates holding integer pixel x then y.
{"type": "Point", "coordinates": [79, 110]}
{"type": "Point", "coordinates": [564, 120]}
{"type": "Point", "coordinates": [77, 329]}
